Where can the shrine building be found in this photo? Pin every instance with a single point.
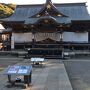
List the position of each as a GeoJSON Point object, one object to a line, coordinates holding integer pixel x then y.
{"type": "Point", "coordinates": [47, 29]}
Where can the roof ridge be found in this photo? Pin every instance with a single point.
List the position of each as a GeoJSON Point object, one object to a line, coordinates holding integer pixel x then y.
{"type": "Point", "coordinates": [76, 3]}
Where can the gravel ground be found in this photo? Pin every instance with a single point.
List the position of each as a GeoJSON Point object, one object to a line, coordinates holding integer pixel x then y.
{"type": "Point", "coordinates": [6, 61]}
{"type": "Point", "coordinates": [78, 70]}
{"type": "Point", "coordinates": [79, 73]}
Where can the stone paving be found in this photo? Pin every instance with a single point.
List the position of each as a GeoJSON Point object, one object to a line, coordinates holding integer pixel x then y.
{"type": "Point", "coordinates": [79, 73]}
{"type": "Point", "coordinates": [52, 76]}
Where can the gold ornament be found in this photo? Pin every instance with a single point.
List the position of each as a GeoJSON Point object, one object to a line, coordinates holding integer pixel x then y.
{"type": "Point", "coordinates": [48, 6]}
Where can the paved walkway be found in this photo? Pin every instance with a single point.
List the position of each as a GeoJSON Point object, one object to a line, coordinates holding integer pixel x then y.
{"type": "Point", "coordinates": [52, 76]}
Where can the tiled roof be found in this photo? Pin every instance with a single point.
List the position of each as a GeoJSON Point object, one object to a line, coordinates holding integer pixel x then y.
{"type": "Point", "coordinates": [74, 11]}
{"type": "Point", "coordinates": [63, 20]}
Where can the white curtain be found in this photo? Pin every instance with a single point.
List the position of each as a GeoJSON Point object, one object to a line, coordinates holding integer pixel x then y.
{"type": "Point", "coordinates": [22, 37]}
{"type": "Point", "coordinates": [75, 36]}
{"type": "Point", "coordinates": [43, 36]}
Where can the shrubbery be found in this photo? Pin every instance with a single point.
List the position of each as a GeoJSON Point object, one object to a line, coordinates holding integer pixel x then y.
{"type": "Point", "coordinates": [6, 10]}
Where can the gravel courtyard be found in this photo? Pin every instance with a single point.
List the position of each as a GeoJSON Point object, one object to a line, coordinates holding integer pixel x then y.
{"type": "Point", "coordinates": [78, 70]}
{"type": "Point", "coordinates": [79, 73]}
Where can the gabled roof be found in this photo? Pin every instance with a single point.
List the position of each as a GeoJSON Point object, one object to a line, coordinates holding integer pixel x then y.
{"type": "Point", "coordinates": [74, 11]}
{"type": "Point", "coordinates": [48, 12]}
{"type": "Point", "coordinates": [51, 10]}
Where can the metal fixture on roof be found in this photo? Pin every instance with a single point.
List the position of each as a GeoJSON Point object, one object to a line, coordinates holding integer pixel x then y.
{"type": "Point", "coordinates": [60, 26]}
{"type": "Point", "coordinates": [59, 15]}
{"type": "Point", "coordinates": [46, 13]}
{"type": "Point", "coordinates": [38, 15]}
{"type": "Point", "coordinates": [46, 21]}
{"type": "Point", "coordinates": [25, 26]}
{"type": "Point", "coordinates": [68, 25]}
{"type": "Point", "coordinates": [48, 6]}
{"type": "Point", "coordinates": [32, 26]}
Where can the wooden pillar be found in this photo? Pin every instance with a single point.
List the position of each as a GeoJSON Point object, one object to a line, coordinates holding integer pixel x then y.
{"type": "Point", "coordinates": [12, 42]}
{"type": "Point", "coordinates": [9, 78]}
{"type": "Point", "coordinates": [33, 37]}
{"type": "Point", "coordinates": [33, 34]}
{"type": "Point", "coordinates": [61, 36]}
{"type": "Point", "coordinates": [60, 31]}
{"type": "Point", "coordinates": [1, 44]}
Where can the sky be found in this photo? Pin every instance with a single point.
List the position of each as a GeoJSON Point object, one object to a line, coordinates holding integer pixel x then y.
{"type": "Point", "coordinates": [43, 1]}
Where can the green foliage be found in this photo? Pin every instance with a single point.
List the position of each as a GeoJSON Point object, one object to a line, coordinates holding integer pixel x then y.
{"type": "Point", "coordinates": [12, 6]}
{"type": "Point", "coordinates": [6, 10]}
